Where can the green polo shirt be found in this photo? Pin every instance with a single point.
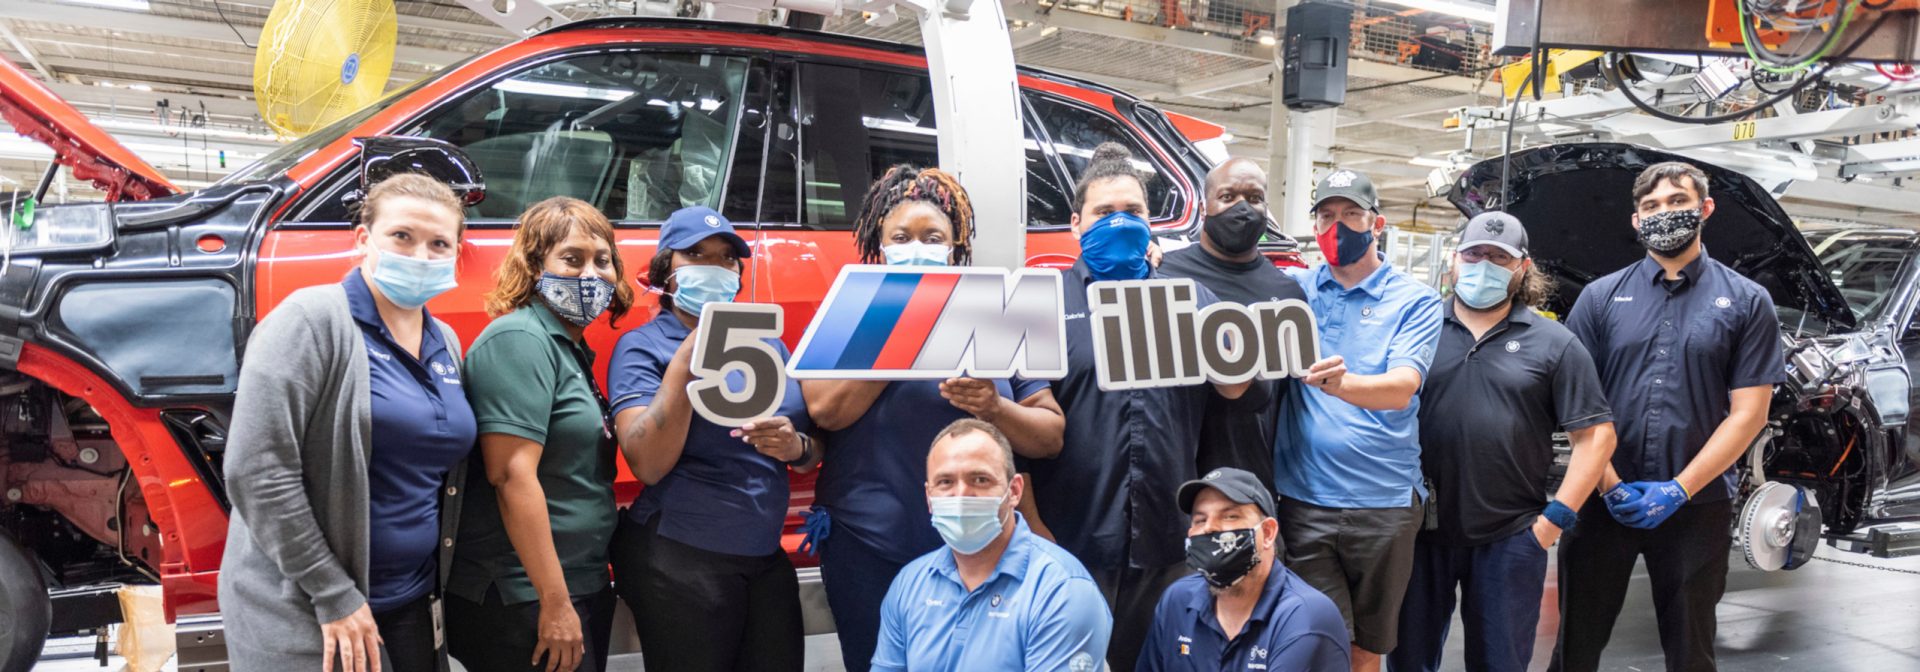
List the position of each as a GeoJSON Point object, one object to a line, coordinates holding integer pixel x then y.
{"type": "Point", "coordinates": [527, 377]}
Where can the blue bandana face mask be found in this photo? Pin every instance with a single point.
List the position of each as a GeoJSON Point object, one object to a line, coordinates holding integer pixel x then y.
{"type": "Point", "coordinates": [1115, 247]}
{"type": "Point", "coordinates": [409, 282]}
{"type": "Point", "coordinates": [578, 300]}
{"type": "Point", "coordinates": [1482, 284]}
{"type": "Point", "coordinates": [698, 285]}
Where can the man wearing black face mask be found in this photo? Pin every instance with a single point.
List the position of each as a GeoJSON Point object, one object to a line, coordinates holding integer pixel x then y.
{"type": "Point", "coordinates": [1243, 610]}
{"type": "Point", "coordinates": [1688, 352]}
{"type": "Point", "coordinates": [1239, 432]}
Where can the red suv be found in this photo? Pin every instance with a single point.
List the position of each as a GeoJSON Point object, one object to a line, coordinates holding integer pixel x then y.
{"type": "Point", "coordinates": [121, 324]}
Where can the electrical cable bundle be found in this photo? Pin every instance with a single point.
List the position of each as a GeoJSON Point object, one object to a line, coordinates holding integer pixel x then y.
{"type": "Point", "coordinates": [1614, 74]}
{"type": "Point", "coordinates": [1777, 17]}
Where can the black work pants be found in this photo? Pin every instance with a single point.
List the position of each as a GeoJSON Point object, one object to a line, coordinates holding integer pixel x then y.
{"type": "Point", "coordinates": [492, 636]}
{"type": "Point", "coordinates": [1686, 564]}
{"type": "Point", "coordinates": [701, 611]}
{"type": "Point", "coordinates": [1133, 593]}
{"type": "Point", "coordinates": [406, 634]}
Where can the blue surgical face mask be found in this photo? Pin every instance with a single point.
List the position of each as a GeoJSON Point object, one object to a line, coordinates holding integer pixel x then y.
{"type": "Point", "coordinates": [916, 253]}
{"type": "Point", "coordinates": [579, 300]}
{"type": "Point", "coordinates": [698, 285]}
{"type": "Point", "coordinates": [967, 524]}
{"type": "Point", "coordinates": [409, 282]}
{"type": "Point", "coordinates": [1115, 247]}
{"type": "Point", "coordinates": [1482, 284]}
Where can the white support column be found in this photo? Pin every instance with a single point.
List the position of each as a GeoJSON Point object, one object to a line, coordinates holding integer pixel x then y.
{"type": "Point", "coordinates": [1309, 135]}
{"type": "Point", "coordinates": [970, 58]}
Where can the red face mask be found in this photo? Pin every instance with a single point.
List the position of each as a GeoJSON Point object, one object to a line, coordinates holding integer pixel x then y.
{"type": "Point", "coordinates": [1341, 245]}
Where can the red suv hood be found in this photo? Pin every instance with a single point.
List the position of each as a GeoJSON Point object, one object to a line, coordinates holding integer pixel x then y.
{"type": "Point", "coordinates": [90, 153]}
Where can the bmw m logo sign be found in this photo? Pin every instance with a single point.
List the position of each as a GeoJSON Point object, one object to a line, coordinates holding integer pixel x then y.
{"type": "Point", "coordinates": [920, 323]}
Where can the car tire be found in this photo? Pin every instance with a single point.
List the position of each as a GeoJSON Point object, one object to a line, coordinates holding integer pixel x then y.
{"type": "Point", "coordinates": [25, 611]}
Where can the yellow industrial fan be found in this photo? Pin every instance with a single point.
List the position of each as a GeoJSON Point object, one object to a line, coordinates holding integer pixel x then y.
{"type": "Point", "coordinates": [322, 59]}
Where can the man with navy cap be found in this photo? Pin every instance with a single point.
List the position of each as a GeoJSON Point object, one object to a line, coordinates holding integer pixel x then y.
{"type": "Point", "coordinates": [1503, 380]}
{"type": "Point", "coordinates": [1243, 610]}
{"type": "Point", "coordinates": [1347, 448]}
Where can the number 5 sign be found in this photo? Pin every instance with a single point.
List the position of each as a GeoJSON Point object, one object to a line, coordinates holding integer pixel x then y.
{"type": "Point", "coordinates": [738, 375]}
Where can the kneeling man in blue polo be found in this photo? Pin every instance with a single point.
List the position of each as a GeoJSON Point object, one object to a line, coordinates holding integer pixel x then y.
{"type": "Point", "coordinates": [997, 597]}
{"type": "Point", "coordinates": [1243, 610]}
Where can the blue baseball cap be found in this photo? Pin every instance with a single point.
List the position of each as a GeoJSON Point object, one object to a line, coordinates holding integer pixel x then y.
{"type": "Point", "coordinates": [686, 227]}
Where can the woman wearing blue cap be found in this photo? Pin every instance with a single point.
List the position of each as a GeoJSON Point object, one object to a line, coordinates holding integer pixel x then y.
{"type": "Point", "coordinates": [874, 493]}
{"type": "Point", "coordinates": [698, 557]}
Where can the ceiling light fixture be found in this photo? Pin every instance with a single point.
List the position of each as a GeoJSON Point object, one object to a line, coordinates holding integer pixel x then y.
{"type": "Point", "coordinates": [1460, 8]}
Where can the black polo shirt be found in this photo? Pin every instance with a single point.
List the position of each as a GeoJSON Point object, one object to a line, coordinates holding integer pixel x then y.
{"type": "Point", "coordinates": [1109, 496]}
{"type": "Point", "coordinates": [1486, 427]}
{"type": "Point", "coordinates": [1670, 356]}
{"type": "Point", "coordinates": [1238, 433]}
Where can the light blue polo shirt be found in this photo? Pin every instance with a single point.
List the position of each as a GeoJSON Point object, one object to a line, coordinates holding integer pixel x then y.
{"type": "Point", "coordinates": [1040, 610]}
{"type": "Point", "coordinates": [1330, 453]}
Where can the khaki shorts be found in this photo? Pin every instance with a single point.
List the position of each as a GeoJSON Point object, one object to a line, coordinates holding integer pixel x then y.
{"type": "Point", "coordinates": [1360, 558]}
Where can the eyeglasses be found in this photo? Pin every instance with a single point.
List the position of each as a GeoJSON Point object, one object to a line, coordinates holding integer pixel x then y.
{"type": "Point", "coordinates": [1474, 255]}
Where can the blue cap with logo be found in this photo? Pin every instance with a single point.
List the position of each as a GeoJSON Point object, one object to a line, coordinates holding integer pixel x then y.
{"type": "Point", "coordinates": [686, 227]}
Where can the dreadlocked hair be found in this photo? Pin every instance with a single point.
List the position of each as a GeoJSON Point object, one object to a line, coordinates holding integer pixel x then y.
{"type": "Point", "coordinates": [1111, 161]}
{"type": "Point", "coordinates": [905, 184]}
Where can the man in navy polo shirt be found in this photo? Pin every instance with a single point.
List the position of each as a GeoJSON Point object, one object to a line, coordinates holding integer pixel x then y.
{"type": "Point", "coordinates": [998, 597]}
{"type": "Point", "coordinates": [1503, 380]}
{"type": "Point", "coordinates": [1689, 352]}
{"type": "Point", "coordinates": [1347, 452]}
{"type": "Point", "coordinates": [1243, 610]}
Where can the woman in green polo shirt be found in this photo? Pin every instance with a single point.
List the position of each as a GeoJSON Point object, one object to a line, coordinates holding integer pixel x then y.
{"type": "Point", "coordinates": [529, 588]}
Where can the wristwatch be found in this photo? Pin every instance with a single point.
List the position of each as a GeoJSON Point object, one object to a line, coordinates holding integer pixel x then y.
{"type": "Point", "coordinates": [806, 452]}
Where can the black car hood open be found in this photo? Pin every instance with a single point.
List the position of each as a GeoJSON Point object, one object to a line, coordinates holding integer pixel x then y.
{"type": "Point", "coordinates": [1576, 201]}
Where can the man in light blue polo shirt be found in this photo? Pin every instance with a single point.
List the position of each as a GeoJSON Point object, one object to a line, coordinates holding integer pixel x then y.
{"type": "Point", "coordinates": [997, 597]}
{"type": "Point", "coordinates": [1347, 452]}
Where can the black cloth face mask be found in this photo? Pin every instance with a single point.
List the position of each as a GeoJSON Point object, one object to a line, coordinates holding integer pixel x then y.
{"type": "Point", "coordinates": [1669, 233]}
{"type": "Point", "coordinates": [1225, 557]}
{"type": "Point", "coordinates": [1236, 230]}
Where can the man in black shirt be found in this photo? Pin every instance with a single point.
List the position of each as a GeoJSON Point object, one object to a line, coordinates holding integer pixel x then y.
{"type": "Point", "coordinates": [1503, 379]}
{"type": "Point", "coordinates": [1688, 351]}
{"type": "Point", "coordinates": [1236, 433]}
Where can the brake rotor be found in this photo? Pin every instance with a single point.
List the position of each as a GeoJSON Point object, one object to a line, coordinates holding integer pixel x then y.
{"type": "Point", "coordinates": [1779, 527]}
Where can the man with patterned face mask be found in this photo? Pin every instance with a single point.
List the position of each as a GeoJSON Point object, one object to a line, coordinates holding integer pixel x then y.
{"type": "Point", "coordinates": [1347, 448]}
{"type": "Point", "coordinates": [1243, 610]}
{"type": "Point", "coordinates": [1503, 381]}
{"type": "Point", "coordinates": [1688, 352]}
{"type": "Point", "coordinates": [997, 597]}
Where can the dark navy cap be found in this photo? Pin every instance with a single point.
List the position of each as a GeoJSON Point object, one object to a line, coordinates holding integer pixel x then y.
{"type": "Point", "coordinates": [686, 227]}
{"type": "Point", "coordinates": [1238, 485]}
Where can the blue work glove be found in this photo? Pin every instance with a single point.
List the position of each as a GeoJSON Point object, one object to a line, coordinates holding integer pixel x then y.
{"type": "Point", "coordinates": [815, 528]}
{"type": "Point", "coordinates": [1617, 501]}
{"type": "Point", "coordinates": [1658, 501]}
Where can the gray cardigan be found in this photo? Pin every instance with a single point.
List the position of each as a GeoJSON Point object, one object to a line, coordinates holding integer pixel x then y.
{"type": "Point", "coordinates": [296, 470]}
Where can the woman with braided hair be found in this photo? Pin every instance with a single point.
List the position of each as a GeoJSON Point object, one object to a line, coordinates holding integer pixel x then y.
{"type": "Point", "coordinates": [870, 517]}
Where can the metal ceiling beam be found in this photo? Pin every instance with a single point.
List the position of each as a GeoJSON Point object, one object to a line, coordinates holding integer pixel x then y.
{"type": "Point", "coordinates": [136, 70]}
{"type": "Point", "coordinates": [1031, 11]}
{"type": "Point", "coordinates": [1228, 80]}
{"type": "Point", "coordinates": [101, 97]}
{"type": "Point", "coordinates": [1413, 109]}
{"type": "Point", "coordinates": [483, 32]}
{"type": "Point", "coordinates": [26, 52]}
{"type": "Point", "coordinates": [189, 29]}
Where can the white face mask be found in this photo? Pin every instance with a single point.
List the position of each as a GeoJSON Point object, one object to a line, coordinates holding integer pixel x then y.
{"type": "Point", "coordinates": [968, 524]}
{"type": "Point", "coordinates": [917, 253]}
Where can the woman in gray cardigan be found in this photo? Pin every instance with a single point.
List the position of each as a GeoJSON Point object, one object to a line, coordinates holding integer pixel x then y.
{"type": "Point", "coordinates": [350, 432]}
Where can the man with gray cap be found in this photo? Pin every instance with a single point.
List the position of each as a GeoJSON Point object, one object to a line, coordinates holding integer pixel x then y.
{"type": "Point", "coordinates": [1347, 446]}
{"type": "Point", "coordinates": [1503, 380]}
{"type": "Point", "coordinates": [1243, 610]}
